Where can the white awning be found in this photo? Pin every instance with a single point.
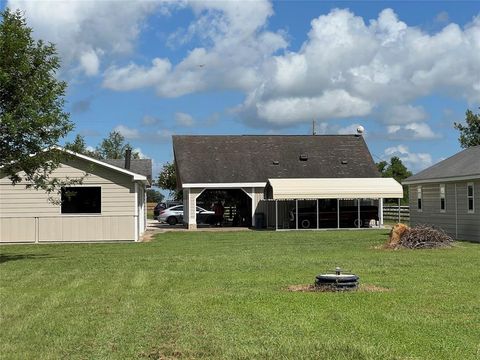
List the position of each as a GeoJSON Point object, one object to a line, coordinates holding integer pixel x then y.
{"type": "Point", "coordinates": [335, 188]}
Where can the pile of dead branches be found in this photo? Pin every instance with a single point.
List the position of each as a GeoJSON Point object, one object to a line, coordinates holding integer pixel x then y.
{"type": "Point", "coordinates": [424, 237]}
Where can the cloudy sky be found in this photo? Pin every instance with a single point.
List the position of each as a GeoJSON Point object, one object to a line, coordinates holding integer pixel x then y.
{"type": "Point", "coordinates": [149, 69]}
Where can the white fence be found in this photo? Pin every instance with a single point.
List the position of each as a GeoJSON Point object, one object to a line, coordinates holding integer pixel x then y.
{"type": "Point", "coordinates": [391, 213]}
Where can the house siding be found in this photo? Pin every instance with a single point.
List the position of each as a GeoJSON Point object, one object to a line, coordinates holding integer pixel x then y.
{"type": "Point", "coordinates": [456, 220]}
{"type": "Point", "coordinates": [27, 215]}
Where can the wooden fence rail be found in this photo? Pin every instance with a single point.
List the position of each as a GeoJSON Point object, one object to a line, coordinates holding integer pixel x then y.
{"type": "Point", "coordinates": [391, 213]}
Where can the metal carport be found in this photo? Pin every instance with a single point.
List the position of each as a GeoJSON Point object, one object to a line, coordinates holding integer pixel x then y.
{"type": "Point", "coordinates": [339, 189]}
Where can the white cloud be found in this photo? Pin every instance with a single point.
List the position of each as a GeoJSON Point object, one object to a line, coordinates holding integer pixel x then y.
{"type": "Point", "coordinates": [78, 27]}
{"type": "Point", "coordinates": [90, 62]}
{"type": "Point", "coordinates": [360, 61]}
{"type": "Point", "coordinates": [127, 132]}
{"type": "Point", "coordinates": [140, 153]}
{"type": "Point", "coordinates": [149, 120]}
{"type": "Point", "coordinates": [332, 128]}
{"type": "Point", "coordinates": [412, 131]}
{"type": "Point", "coordinates": [442, 17]}
{"type": "Point", "coordinates": [233, 48]}
{"type": "Point", "coordinates": [404, 114]}
{"type": "Point", "coordinates": [413, 161]}
{"type": "Point", "coordinates": [345, 68]}
{"type": "Point", "coordinates": [330, 104]}
{"type": "Point", "coordinates": [158, 136]}
{"type": "Point", "coordinates": [134, 77]}
{"type": "Point", "coordinates": [184, 119]}
{"type": "Point", "coordinates": [350, 129]}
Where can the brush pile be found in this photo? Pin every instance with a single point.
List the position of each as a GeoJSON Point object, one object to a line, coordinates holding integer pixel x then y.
{"type": "Point", "coordinates": [423, 237]}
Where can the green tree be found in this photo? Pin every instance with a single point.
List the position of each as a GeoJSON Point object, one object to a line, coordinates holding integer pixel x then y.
{"type": "Point", "coordinates": [114, 147]}
{"type": "Point", "coordinates": [154, 196]}
{"type": "Point", "coordinates": [167, 180]}
{"type": "Point", "coordinates": [79, 146]}
{"type": "Point", "coordinates": [397, 170]}
{"type": "Point", "coordinates": [470, 132]}
{"type": "Point", "coordinates": [31, 105]}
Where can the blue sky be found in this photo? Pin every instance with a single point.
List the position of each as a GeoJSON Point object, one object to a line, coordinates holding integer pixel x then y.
{"type": "Point", "coordinates": [404, 70]}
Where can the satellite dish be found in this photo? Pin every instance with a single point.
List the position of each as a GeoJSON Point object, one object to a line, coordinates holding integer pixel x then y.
{"type": "Point", "coordinates": [360, 130]}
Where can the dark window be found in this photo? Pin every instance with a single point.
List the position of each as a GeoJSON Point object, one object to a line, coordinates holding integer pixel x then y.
{"type": "Point", "coordinates": [419, 198]}
{"type": "Point", "coordinates": [470, 198]}
{"type": "Point", "coordinates": [81, 200]}
{"type": "Point", "coordinates": [442, 197]}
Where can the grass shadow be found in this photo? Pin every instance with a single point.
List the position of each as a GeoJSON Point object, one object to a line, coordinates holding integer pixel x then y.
{"type": "Point", "coordinates": [10, 257]}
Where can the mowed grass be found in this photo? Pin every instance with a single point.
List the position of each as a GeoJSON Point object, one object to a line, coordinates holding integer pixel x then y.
{"type": "Point", "coordinates": [220, 295]}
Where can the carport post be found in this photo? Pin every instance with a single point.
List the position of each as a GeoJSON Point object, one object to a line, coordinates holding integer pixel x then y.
{"type": "Point", "coordinates": [399, 220]}
{"type": "Point", "coordinates": [318, 217]}
{"type": "Point", "coordinates": [380, 212]}
{"type": "Point", "coordinates": [296, 214]}
{"type": "Point", "coordinates": [358, 204]}
{"type": "Point", "coordinates": [276, 214]}
{"type": "Point", "coordinates": [338, 214]}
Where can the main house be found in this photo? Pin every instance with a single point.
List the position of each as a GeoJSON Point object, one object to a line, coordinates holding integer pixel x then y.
{"type": "Point", "coordinates": [109, 205]}
{"type": "Point", "coordinates": [447, 195]}
{"type": "Point", "coordinates": [318, 181]}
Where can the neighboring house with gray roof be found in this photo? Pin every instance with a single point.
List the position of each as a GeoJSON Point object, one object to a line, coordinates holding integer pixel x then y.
{"type": "Point", "coordinates": [447, 195]}
{"type": "Point", "coordinates": [109, 205]}
{"type": "Point", "coordinates": [248, 162]}
{"type": "Point", "coordinates": [138, 166]}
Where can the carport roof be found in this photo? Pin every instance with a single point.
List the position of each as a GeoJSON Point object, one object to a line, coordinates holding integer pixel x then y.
{"type": "Point", "coordinates": [257, 158]}
{"type": "Point", "coordinates": [346, 188]}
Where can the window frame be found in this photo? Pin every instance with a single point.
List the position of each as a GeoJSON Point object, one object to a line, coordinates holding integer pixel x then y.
{"type": "Point", "coordinates": [471, 197]}
{"type": "Point", "coordinates": [443, 197]}
{"type": "Point", "coordinates": [419, 198]}
{"type": "Point", "coordinates": [71, 213]}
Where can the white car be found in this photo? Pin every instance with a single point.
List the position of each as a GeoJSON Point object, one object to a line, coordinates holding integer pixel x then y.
{"type": "Point", "coordinates": [174, 215]}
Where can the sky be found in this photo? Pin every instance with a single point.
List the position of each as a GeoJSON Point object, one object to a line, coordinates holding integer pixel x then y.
{"type": "Point", "coordinates": [404, 70]}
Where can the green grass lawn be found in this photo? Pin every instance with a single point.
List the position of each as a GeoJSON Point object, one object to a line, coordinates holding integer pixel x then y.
{"type": "Point", "coordinates": [222, 296]}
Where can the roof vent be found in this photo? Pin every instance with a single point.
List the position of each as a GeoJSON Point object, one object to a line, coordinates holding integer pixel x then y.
{"type": "Point", "coordinates": [344, 162]}
{"type": "Point", "coordinates": [276, 162]}
{"type": "Point", "coordinates": [303, 157]}
{"type": "Point", "coordinates": [360, 130]}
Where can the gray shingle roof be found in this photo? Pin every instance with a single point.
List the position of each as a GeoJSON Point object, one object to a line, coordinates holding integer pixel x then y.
{"type": "Point", "coordinates": [252, 158]}
{"type": "Point", "coordinates": [463, 164]}
{"type": "Point", "coordinates": [139, 166]}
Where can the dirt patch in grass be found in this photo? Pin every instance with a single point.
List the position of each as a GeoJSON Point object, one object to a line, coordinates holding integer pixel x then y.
{"type": "Point", "coordinates": [313, 288]}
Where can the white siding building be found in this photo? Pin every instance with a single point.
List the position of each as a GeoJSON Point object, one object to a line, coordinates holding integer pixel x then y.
{"type": "Point", "coordinates": [109, 205]}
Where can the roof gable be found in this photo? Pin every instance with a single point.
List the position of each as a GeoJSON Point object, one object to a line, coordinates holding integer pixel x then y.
{"type": "Point", "coordinates": [464, 164]}
{"type": "Point", "coordinates": [134, 175]}
{"type": "Point", "coordinates": [257, 158]}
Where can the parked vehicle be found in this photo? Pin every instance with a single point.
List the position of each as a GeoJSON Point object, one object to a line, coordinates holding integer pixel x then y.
{"type": "Point", "coordinates": [159, 207]}
{"type": "Point", "coordinates": [174, 215]}
{"type": "Point", "coordinates": [307, 217]}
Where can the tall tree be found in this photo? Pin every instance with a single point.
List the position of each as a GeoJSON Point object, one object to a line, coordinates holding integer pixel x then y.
{"type": "Point", "coordinates": [114, 147]}
{"type": "Point", "coordinates": [78, 145]}
{"type": "Point", "coordinates": [470, 132]}
{"type": "Point", "coordinates": [397, 170]}
{"type": "Point", "coordinates": [31, 104]}
{"type": "Point", "coordinates": [154, 196]}
{"type": "Point", "coordinates": [167, 180]}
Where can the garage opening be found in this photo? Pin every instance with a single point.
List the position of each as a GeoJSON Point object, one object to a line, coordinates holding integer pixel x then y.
{"type": "Point", "coordinates": [237, 206]}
